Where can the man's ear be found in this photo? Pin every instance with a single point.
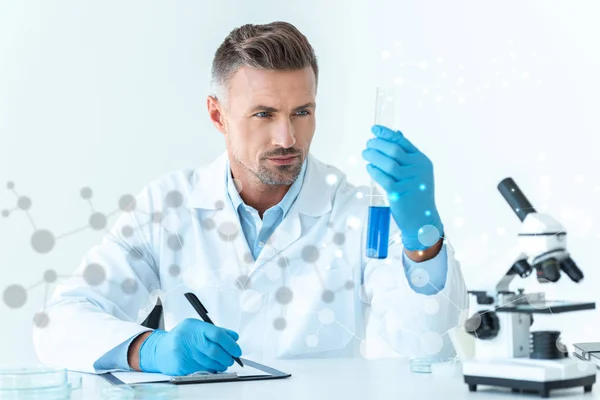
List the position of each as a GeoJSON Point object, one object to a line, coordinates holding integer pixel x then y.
{"type": "Point", "coordinates": [215, 114]}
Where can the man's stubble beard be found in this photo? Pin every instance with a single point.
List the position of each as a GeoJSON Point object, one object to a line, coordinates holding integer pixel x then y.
{"type": "Point", "coordinates": [273, 178]}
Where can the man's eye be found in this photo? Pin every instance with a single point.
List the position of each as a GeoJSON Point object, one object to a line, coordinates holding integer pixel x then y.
{"type": "Point", "coordinates": [266, 114]}
{"type": "Point", "coordinates": [262, 114]}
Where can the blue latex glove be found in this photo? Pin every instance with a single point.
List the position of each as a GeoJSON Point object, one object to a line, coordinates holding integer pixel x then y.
{"type": "Point", "coordinates": [406, 175]}
{"type": "Point", "coordinates": [191, 346]}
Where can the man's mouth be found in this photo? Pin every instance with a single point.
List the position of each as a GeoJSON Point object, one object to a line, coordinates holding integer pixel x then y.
{"type": "Point", "coordinates": [283, 160]}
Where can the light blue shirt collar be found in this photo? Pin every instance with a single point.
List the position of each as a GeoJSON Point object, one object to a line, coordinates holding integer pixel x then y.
{"type": "Point", "coordinates": [285, 204]}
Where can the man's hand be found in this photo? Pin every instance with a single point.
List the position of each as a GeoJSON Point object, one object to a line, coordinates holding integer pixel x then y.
{"type": "Point", "coordinates": [406, 175]}
{"type": "Point", "coordinates": [191, 346]}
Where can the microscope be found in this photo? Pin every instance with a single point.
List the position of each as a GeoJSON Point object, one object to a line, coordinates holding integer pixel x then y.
{"type": "Point", "coordinates": [507, 353]}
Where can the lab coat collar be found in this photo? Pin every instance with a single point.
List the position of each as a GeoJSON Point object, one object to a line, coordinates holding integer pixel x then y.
{"type": "Point", "coordinates": [284, 204]}
{"type": "Point", "coordinates": [210, 189]}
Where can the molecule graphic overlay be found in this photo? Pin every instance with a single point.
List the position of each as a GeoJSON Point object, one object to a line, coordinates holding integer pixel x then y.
{"type": "Point", "coordinates": [312, 282]}
{"type": "Point", "coordinates": [437, 81]}
{"type": "Point", "coordinates": [43, 241]}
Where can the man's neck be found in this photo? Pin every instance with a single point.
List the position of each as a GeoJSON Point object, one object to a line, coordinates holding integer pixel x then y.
{"type": "Point", "coordinates": [256, 194]}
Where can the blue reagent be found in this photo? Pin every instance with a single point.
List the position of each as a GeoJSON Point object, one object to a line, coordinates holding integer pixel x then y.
{"type": "Point", "coordinates": [378, 232]}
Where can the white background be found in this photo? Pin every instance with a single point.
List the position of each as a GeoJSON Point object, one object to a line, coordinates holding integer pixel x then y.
{"type": "Point", "coordinates": [110, 95]}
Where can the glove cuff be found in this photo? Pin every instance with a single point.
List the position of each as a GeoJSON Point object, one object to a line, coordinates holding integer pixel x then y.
{"type": "Point", "coordinates": [148, 358]}
{"type": "Point", "coordinates": [425, 237]}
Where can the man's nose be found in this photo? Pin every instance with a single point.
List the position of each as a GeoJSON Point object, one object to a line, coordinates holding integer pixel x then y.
{"type": "Point", "coordinates": [284, 135]}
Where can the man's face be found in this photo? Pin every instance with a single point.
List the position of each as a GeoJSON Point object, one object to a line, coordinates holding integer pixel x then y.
{"type": "Point", "coordinates": [269, 122]}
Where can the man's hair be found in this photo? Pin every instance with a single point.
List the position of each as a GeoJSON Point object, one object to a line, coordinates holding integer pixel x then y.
{"type": "Point", "coordinates": [274, 46]}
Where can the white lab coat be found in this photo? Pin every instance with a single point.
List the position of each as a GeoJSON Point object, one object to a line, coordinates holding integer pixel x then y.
{"type": "Point", "coordinates": [310, 293]}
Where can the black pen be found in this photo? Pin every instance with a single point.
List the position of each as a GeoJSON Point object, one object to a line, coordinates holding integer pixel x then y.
{"type": "Point", "coordinates": [204, 315]}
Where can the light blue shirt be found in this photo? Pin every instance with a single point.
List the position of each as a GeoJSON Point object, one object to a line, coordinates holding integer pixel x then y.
{"type": "Point", "coordinates": [257, 231]}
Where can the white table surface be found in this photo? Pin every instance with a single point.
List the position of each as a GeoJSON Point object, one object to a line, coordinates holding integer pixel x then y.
{"type": "Point", "coordinates": [343, 379]}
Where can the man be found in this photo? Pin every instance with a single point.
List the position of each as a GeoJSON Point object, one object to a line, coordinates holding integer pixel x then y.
{"type": "Point", "coordinates": [269, 239]}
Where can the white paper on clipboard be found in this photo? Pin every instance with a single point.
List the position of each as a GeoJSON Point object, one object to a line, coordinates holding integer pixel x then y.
{"type": "Point", "coordinates": [131, 377]}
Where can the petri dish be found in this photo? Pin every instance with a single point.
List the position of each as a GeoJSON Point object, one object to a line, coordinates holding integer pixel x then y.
{"type": "Point", "coordinates": [34, 383]}
{"type": "Point", "coordinates": [436, 365]}
{"type": "Point", "coordinates": [47, 393]}
{"type": "Point", "coordinates": [420, 365]}
{"type": "Point", "coordinates": [32, 378]}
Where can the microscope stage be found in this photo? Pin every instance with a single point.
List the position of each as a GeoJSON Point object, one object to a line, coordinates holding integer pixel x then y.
{"type": "Point", "coordinates": [547, 307]}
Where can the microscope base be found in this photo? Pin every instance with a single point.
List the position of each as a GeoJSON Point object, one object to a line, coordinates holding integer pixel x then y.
{"type": "Point", "coordinates": [530, 375]}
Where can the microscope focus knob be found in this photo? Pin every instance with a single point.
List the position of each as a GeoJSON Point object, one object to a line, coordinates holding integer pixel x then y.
{"type": "Point", "coordinates": [483, 325]}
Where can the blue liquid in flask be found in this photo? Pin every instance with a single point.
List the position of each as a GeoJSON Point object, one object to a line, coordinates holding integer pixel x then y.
{"type": "Point", "coordinates": [378, 232]}
{"type": "Point", "coordinates": [378, 227]}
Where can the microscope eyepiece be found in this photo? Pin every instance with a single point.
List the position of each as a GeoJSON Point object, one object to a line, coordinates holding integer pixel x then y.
{"type": "Point", "coordinates": [515, 198]}
{"type": "Point", "coordinates": [570, 268]}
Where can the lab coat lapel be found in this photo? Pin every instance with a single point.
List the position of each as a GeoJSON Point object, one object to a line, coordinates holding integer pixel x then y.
{"type": "Point", "coordinates": [229, 229]}
{"type": "Point", "coordinates": [314, 200]}
{"type": "Point", "coordinates": [210, 194]}
{"type": "Point", "coordinates": [288, 231]}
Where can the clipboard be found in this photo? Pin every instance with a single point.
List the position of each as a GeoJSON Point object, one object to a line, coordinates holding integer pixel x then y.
{"type": "Point", "coordinates": [211, 378]}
